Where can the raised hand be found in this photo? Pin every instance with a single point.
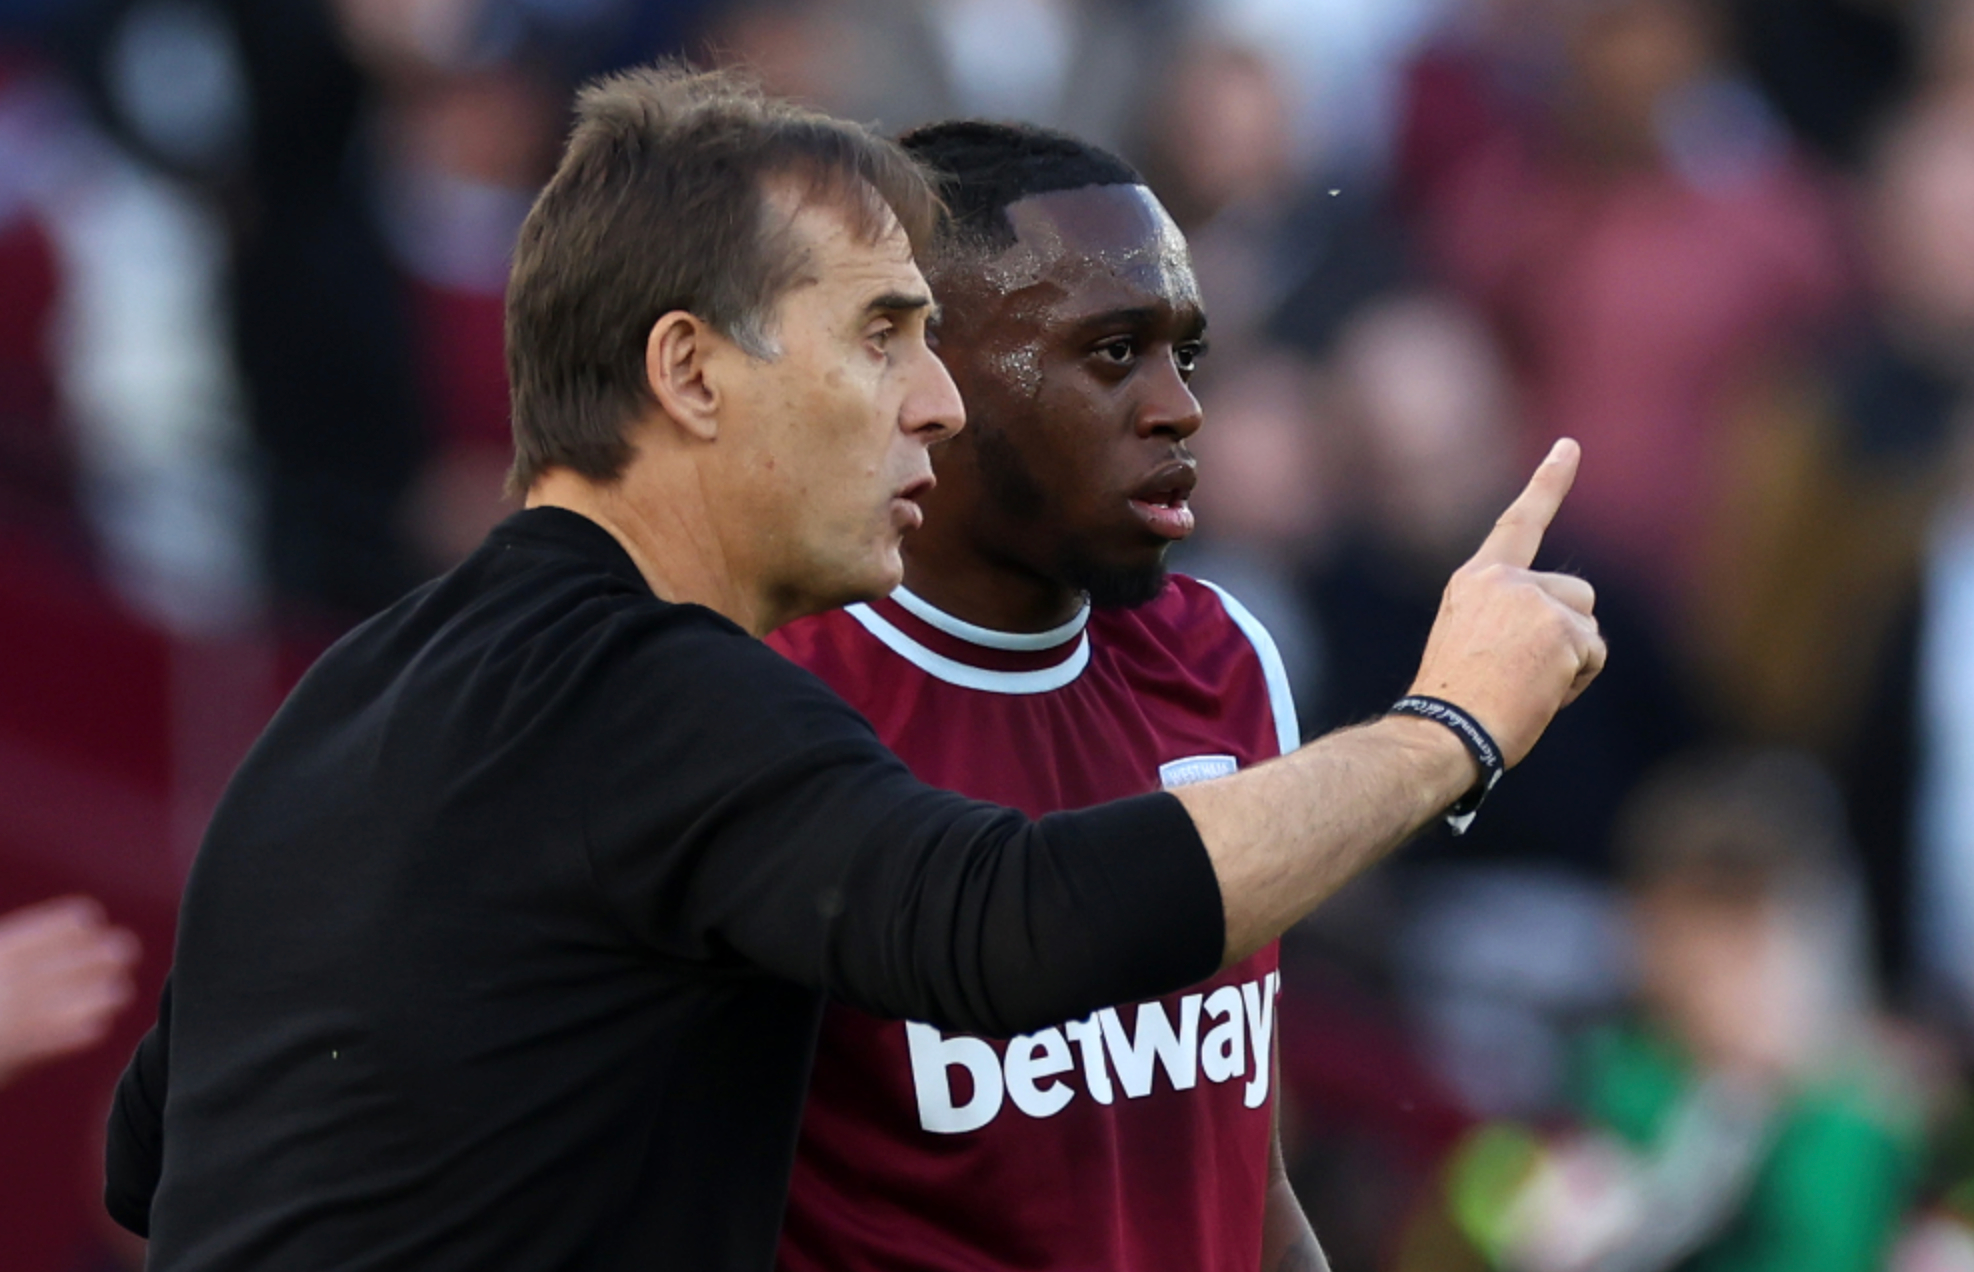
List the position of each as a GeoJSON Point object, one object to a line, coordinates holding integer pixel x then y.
{"type": "Point", "coordinates": [64, 975]}
{"type": "Point", "coordinates": [1513, 645]}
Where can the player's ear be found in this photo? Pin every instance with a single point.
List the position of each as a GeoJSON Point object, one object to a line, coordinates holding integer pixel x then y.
{"type": "Point", "coordinates": [677, 365]}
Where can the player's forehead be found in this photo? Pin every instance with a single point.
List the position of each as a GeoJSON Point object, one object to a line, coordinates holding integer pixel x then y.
{"type": "Point", "coordinates": [837, 259]}
{"type": "Point", "coordinates": [1101, 244]}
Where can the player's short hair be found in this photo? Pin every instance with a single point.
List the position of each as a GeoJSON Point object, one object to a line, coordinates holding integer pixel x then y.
{"type": "Point", "coordinates": [660, 204]}
{"type": "Point", "coordinates": [982, 166]}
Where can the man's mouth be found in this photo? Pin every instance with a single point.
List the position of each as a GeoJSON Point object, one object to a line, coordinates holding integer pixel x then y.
{"type": "Point", "coordinates": [907, 513]}
{"type": "Point", "coordinates": [1160, 503]}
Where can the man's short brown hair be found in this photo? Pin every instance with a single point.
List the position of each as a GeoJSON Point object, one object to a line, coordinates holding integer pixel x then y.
{"type": "Point", "coordinates": [660, 204]}
{"type": "Point", "coordinates": [1732, 824]}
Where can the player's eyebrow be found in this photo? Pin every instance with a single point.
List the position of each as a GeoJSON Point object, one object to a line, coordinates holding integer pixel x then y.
{"type": "Point", "coordinates": [1129, 316]}
{"type": "Point", "coordinates": [1190, 317]}
{"type": "Point", "coordinates": [903, 302]}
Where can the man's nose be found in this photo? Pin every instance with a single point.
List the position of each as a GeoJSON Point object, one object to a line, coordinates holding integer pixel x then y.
{"type": "Point", "coordinates": [1169, 408]}
{"type": "Point", "coordinates": [932, 410]}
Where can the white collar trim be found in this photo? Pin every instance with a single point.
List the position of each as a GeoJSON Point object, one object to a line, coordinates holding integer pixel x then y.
{"type": "Point", "coordinates": [966, 676]}
{"type": "Point", "coordinates": [986, 637]}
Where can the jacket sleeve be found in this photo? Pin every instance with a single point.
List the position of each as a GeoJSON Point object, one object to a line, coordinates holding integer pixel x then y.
{"type": "Point", "coordinates": [768, 826]}
{"type": "Point", "coordinates": [134, 1157]}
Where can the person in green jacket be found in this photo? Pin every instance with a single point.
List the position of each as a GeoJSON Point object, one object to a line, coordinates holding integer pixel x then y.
{"type": "Point", "coordinates": [1743, 1120]}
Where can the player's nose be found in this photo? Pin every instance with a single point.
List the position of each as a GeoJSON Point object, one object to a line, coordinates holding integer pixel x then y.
{"type": "Point", "coordinates": [932, 408]}
{"type": "Point", "coordinates": [1169, 407]}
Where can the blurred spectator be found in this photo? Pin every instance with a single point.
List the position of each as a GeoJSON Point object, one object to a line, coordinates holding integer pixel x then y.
{"type": "Point", "coordinates": [121, 401]}
{"type": "Point", "coordinates": [1492, 66]}
{"type": "Point", "coordinates": [1935, 702]}
{"type": "Point", "coordinates": [1078, 65]}
{"type": "Point", "coordinates": [1832, 67]}
{"type": "Point", "coordinates": [1423, 392]}
{"type": "Point", "coordinates": [463, 153]}
{"type": "Point", "coordinates": [1343, 62]}
{"type": "Point", "coordinates": [1649, 246]}
{"type": "Point", "coordinates": [1270, 485]}
{"type": "Point", "coordinates": [1498, 943]}
{"type": "Point", "coordinates": [36, 456]}
{"type": "Point", "coordinates": [1859, 621]}
{"type": "Point", "coordinates": [1837, 475]}
{"type": "Point", "coordinates": [799, 49]}
{"type": "Point", "coordinates": [64, 976]}
{"type": "Point", "coordinates": [1282, 246]}
{"type": "Point", "coordinates": [393, 150]}
{"type": "Point", "coordinates": [1746, 1119]}
{"type": "Point", "coordinates": [321, 319]}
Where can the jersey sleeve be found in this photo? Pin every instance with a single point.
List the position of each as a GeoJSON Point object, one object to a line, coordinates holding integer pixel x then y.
{"type": "Point", "coordinates": [134, 1149]}
{"type": "Point", "coordinates": [761, 823]}
{"type": "Point", "coordinates": [1281, 701]}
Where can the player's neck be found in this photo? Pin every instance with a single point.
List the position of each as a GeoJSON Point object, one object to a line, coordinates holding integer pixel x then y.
{"type": "Point", "coordinates": [672, 542]}
{"type": "Point", "coordinates": [988, 594]}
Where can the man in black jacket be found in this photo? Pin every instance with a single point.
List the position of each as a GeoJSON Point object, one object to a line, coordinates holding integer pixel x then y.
{"type": "Point", "coordinates": [507, 944]}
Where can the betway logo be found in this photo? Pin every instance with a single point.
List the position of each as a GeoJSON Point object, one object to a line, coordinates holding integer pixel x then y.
{"type": "Point", "coordinates": [1239, 1032]}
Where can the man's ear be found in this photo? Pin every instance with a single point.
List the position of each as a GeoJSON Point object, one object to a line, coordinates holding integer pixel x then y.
{"type": "Point", "coordinates": [677, 362]}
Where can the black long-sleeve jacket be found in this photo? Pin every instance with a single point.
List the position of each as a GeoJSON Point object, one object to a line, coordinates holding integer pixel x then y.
{"type": "Point", "coordinates": [507, 943]}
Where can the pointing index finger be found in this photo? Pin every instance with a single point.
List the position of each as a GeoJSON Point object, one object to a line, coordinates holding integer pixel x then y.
{"type": "Point", "coordinates": [1518, 533]}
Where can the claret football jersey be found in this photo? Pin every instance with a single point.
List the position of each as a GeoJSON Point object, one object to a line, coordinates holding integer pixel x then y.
{"type": "Point", "coordinates": [1136, 1139]}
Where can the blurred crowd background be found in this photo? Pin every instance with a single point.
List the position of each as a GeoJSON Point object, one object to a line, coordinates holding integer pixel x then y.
{"type": "Point", "coordinates": [1698, 990]}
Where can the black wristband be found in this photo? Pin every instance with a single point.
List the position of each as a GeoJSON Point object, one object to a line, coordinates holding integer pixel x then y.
{"type": "Point", "coordinates": [1478, 743]}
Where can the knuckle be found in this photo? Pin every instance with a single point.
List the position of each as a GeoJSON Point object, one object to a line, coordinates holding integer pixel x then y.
{"type": "Point", "coordinates": [1531, 592]}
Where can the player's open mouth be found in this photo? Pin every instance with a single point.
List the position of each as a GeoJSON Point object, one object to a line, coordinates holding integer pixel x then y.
{"type": "Point", "coordinates": [1161, 502]}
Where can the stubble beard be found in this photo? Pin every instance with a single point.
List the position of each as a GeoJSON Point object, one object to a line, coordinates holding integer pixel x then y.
{"type": "Point", "coordinates": [1014, 491]}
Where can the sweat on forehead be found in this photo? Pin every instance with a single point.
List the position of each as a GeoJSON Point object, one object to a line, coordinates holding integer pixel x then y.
{"type": "Point", "coordinates": [982, 167]}
{"type": "Point", "coordinates": [1094, 247]}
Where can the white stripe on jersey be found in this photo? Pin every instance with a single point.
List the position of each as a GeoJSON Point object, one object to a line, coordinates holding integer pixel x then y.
{"type": "Point", "coordinates": [1287, 732]}
{"type": "Point", "coordinates": [954, 672]}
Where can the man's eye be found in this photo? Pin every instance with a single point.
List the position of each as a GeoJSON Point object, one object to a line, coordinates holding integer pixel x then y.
{"type": "Point", "coordinates": [881, 338]}
{"type": "Point", "coordinates": [1187, 357]}
{"type": "Point", "coordinates": [1119, 351]}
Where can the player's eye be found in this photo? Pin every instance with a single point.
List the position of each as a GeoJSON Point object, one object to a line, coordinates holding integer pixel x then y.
{"type": "Point", "coordinates": [879, 338]}
{"type": "Point", "coordinates": [1187, 357]}
{"type": "Point", "coordinates": [1120, 351]}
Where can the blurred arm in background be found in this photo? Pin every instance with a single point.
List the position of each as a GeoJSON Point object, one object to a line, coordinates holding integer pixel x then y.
{"type": "Point", "coordinates": [64, 976]}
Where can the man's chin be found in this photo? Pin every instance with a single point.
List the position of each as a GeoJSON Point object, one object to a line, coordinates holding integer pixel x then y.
{"type": "Point", "coordinates": [1115, 587]}
{"type": "Point", "coordinates": [880, 577]}
{"type": "Point", "coordinates": [886, 572]}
